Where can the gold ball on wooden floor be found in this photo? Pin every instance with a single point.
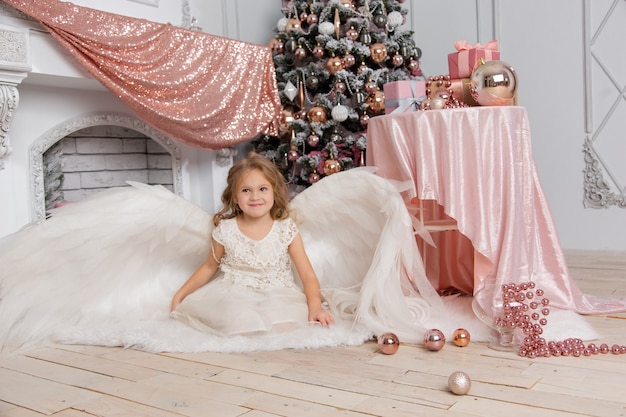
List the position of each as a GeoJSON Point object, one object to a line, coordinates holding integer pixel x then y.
{"type": "Point", "coordinates": [459, 383]}
{"type": "Point", "coordinates": [461, 337]}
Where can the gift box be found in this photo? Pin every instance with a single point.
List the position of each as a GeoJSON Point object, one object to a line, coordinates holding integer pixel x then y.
{"type": "Point", "coordinates": [467, 58]}
{"type": "Point", "coordinates": [403, 96]}
{"type": "Point", "coordinates": [461, 91]}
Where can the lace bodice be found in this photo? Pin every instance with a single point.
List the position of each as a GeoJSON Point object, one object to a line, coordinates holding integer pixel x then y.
{"type": "Point", "coordinates": [257, 263]}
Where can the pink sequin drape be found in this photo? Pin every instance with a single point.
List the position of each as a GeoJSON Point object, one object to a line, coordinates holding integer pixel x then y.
{"type": "Point", "coordinates": [203, 90]}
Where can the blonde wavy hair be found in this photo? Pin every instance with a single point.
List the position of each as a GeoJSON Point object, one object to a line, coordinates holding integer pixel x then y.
{"type": "Point", "coordinates": [253, 161]}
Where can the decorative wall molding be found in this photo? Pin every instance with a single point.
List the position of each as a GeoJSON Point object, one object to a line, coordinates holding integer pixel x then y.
{"type": "Point", "coordinates": [598, 194]}
{"type": "Point", "coordinates": [14, 67]}
{"type": "Point", "coordinates": [52, 136]}
{"type": "Point", "coordinates": [602, 185]}
{"type": "Point", "coordinates": [9, 99]}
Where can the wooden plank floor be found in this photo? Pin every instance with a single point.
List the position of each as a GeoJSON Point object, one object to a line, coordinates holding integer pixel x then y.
{"type": "Point", "coordinates": [81, 381]}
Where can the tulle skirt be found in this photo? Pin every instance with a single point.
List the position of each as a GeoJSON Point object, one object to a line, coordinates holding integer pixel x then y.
{"type": "Point", "coordinates": [227, 309]}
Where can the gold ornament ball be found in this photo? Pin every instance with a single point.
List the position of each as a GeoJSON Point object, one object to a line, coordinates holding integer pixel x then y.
{"type": "Point", "coordinates": [334, 64]}
{"type": "Point", "coordinates": [292, 24]}
{"type": "Point", "coordinates": [376, 101]}
{"type": "Point", "coordinates": [388, 343]}
{"type": "Point", "coordinates": [459, 383]}
{"type": "Point", "coordinates": [286, 118]}
{"type": "Point", "coordinates": [331, 166]}
{"type": "Point", "coordinates": [493, 83]}
{"type": "Point", "coordinates": [461, 337]}
{"type": "Point", "coordinates": [378, 52]}
{"type": "Point", "coordinates": [317, 114]}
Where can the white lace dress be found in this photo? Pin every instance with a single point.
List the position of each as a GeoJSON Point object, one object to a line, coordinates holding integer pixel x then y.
{"type": "Point", "coordinates": [254, 291]}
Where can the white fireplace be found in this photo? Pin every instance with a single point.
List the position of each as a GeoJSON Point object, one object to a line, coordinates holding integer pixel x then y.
{"type": "Point", "coordinates": [45, 96]}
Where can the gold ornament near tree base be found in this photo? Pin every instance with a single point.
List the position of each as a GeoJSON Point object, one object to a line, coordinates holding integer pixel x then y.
{"type": "Point", "coordinates": [376, 102]}
{"type": "Point", "coordinates": [331, 166]}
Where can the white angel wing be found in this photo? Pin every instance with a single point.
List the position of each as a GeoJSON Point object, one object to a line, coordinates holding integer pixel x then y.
{"type": "Point", "coordinates": [360, 239]}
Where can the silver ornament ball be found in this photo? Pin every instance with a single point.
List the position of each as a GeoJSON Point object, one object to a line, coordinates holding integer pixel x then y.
{"type": "Point", "coordinates": [326, 28]}
{"type": "Point", "coordinates": [459, 383]}
{"type": "Point", "coordinates": [339, 113]}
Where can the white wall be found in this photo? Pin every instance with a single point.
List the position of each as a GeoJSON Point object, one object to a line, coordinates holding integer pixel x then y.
{"type": "Point", "coordinates": [543, 40]}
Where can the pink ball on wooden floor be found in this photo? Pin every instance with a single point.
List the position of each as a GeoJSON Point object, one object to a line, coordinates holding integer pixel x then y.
{"type": "Point", "coordinates": [388, 343]}
{"type": "Point", "coordinates": [434, 339]}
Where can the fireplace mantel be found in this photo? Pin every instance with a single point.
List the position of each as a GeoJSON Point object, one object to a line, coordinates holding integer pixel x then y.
{"type": "Point", "coordinates": [55, 91]}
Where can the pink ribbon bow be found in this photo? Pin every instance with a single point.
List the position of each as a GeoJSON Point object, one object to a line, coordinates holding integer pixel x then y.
{"type": "Point", "coordinates": [465, 45]}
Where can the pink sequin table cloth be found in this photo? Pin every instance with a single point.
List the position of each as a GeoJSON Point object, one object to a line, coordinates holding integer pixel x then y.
{"type": "Point", "coordinates": [477, 163]}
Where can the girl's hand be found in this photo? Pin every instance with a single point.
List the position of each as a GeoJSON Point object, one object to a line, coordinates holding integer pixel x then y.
{"type": "Point", "coordinates": [175, 303]}
{"type": "Point", "coordinates": [321, 316]}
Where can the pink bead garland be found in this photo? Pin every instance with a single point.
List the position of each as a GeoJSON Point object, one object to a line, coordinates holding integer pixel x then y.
{"type": "Point", "coordinates": [525, 307]}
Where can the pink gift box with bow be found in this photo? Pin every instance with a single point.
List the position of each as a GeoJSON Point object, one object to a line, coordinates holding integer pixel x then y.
{"type": "Point", "coordinates": [405, 95]}
{"type": "Point", "coordinates": [462, 63]}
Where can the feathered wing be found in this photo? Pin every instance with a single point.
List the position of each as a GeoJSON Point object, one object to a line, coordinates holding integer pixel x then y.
{"type": "Point", "coordinates": [360, 239]}
{"type": "Point", "coordinates": [118, 255]}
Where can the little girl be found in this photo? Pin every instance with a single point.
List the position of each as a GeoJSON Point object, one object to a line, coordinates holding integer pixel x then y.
{"type": "Point", "coordinates": [253, 246]}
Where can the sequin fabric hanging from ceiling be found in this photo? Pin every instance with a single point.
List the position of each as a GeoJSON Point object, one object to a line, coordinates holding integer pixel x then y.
{"type": "Point", "coordinates": [203, 90]}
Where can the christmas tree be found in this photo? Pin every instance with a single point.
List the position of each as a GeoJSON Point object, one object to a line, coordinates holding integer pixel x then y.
{"type": "Point", "coordinates": [332, 59]}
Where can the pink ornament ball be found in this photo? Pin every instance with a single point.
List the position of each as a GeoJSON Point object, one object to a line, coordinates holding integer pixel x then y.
{"type": "Point", "coordinates": [434, 339]}
{"type": "Point", "coordinates": [388, 343]}
{"type": "Point", "coordinates": [293, 155]}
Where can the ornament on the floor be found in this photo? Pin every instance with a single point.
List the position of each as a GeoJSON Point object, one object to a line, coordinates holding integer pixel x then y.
{"type": "Point", "coordinates": [494, 83]}
{"type": "Point", "coordinates": [459, 383]}
{"type": "Point", "coordinates": [388, 343]}
{"type": "Point", "coordinates": [526, 307]}
{"type": "Point", "coordinates": [434, 339]}
{"type": "Point", "coordinates": [461, 337]}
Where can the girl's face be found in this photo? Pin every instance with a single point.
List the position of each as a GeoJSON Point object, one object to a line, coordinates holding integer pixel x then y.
{"type": "Point", "coordinates": [254, 194]}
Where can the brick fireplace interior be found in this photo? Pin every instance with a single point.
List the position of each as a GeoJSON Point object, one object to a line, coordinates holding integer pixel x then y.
{"type": "Point", "coordinates": [99, 157]}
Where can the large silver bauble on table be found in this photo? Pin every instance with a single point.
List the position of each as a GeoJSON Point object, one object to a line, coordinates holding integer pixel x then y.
{"type": "Point", "coordinates": [493, 83]}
